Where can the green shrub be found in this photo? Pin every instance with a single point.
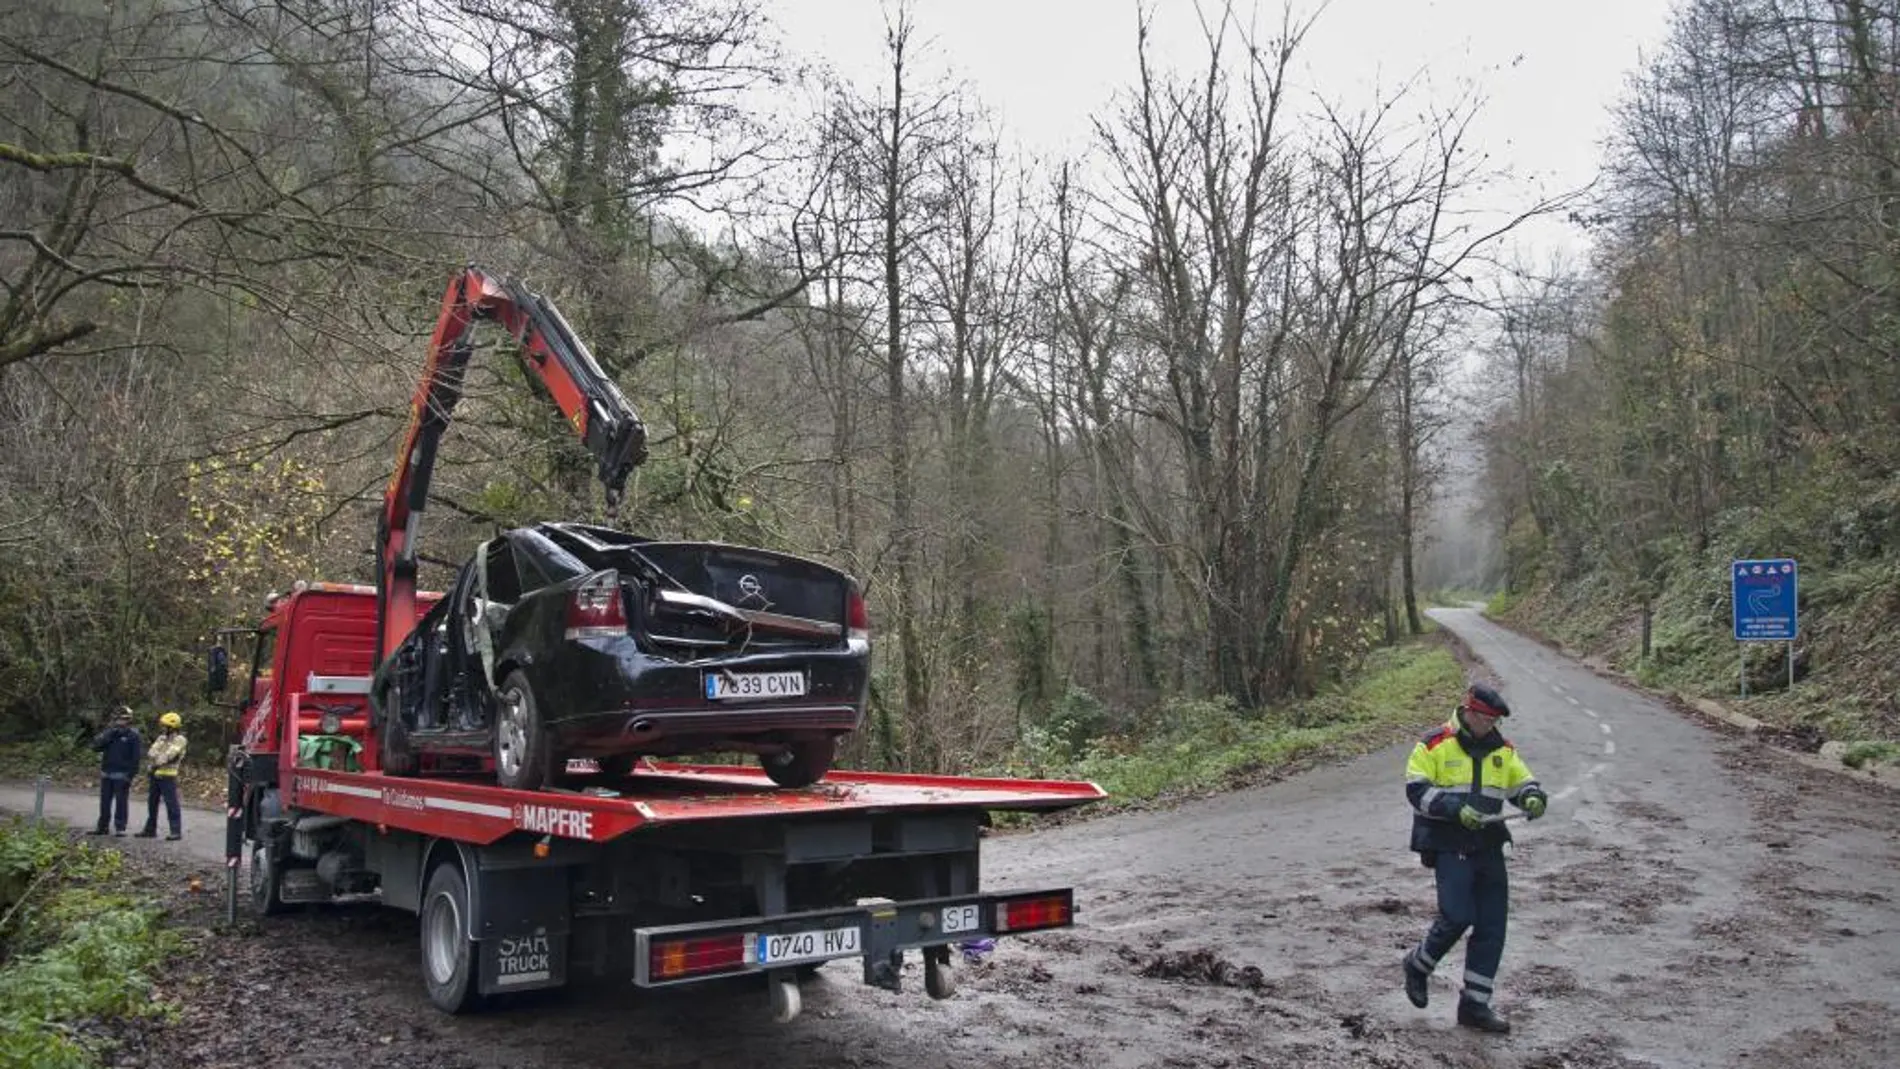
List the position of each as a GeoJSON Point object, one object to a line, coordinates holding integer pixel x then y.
{"type": "Point", "coordinates": [76, 948]}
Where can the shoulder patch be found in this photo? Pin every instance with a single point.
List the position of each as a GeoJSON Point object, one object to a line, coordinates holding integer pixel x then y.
{"type": "Point", "coordinates": [1438, 736]}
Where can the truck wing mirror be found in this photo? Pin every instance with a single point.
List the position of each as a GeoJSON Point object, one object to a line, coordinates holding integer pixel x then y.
{"type": "Point", "coordinates": [217, 671]}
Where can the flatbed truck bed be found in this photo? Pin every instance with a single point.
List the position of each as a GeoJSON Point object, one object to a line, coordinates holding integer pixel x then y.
{"type": "Point", "coordinates": [674, 874]}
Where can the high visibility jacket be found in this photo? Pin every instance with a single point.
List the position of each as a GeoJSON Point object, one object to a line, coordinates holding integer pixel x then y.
{"type": "Point", "coordinates": [167, 752]}
{"type": "Point", "coordinates": [1450, 769]}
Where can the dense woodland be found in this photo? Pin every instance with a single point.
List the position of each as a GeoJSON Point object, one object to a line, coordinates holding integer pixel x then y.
{"type": "Point", "coordinates": [1723, 381]}
{"type": "Point", "coordinates": [1160, 421]}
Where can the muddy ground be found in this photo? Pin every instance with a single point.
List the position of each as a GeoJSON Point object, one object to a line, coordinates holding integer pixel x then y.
{"type": "Point", "coordinates": [1693, 900]}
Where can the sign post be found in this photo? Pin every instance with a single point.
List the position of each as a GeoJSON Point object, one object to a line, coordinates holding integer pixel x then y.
{"type": "Point", "coordinates": [1762, 593]}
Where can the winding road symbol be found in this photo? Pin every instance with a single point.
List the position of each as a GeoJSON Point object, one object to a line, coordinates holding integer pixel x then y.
{"type": "Point", "coordinates": [1761, 601]}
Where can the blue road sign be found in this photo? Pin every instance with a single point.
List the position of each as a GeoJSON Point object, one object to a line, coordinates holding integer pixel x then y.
{"type": "Point", "coordinates": [1764, 600]}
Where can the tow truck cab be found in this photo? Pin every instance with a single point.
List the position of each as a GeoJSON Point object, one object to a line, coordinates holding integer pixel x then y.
{"type": "Point", "coordinates": [321, 638]}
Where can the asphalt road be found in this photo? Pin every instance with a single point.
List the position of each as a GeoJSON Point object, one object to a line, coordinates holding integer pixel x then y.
{"type": "Point", "coordinates": [1693, 900]}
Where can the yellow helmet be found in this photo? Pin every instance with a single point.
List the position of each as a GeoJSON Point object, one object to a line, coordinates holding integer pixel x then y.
{"type": "Point", "coordinates": [171, 720]}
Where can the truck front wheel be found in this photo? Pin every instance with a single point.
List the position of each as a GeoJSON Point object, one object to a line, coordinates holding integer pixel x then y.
{"type": "Point", "coordinates": [448, 955]}
{"type": "Point", "coordinates": [267, 880]}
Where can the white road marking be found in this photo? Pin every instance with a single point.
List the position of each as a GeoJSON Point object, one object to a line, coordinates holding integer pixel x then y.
{"type": "Point", "coordinates": [1565, 793]}
{"type": "Point", "coordinates": [1572, 700]}
{"type": "Point", "coordinates": [1604, 726]}
{"type": "Point", "coordinates": [1558, 687]}
{"type": "Point", "coordinates": [1609, 746]}
{"type": "Point", "coordinates": [1593, 714]}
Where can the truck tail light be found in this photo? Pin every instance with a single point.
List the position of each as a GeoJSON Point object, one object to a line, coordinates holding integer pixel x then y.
{"type": "Point", "coordinates": [857, 617]}
{"type": "Point", "coordinates": [595, 609]}
{"type": "Point", "coordinates": [677, 959]}
{"type": "Point", "coordinates": [1030, 914]}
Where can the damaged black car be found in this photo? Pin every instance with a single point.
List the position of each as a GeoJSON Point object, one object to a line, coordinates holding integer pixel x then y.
{"type": "Point", "coordinates": [561, 641]}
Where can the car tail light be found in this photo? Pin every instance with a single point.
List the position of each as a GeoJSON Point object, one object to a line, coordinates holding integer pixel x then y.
{"type": "Point", "coordinates": [857, 617]}
{"type": "Point", "coordinates": [594, 609]}
{"type": "Point", "coordinates": [1029, 914]}
{"type": "Point", "coordinates": [676, 959]}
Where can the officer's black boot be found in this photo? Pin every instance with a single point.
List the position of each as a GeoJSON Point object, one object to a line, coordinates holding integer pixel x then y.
{"type": "Point", "coordinates": [1415, 986]}
{"type": "Point", "coordinates": [1482, 1017]}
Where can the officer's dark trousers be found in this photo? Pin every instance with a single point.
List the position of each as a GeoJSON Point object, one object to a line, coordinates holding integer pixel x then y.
{"type": "Point", "coordinates": [115, 792]}
{"type": "Point", "coordinates": [1474, 894]}
{"type": "Point", "coordinates": [165, 788]}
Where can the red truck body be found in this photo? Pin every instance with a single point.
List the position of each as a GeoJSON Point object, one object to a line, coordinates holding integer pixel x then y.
{"type": "Point", "coordinates": [675, 873]}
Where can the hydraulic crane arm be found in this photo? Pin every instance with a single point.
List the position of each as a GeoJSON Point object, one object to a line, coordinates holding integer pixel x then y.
{"type": "Point", "coordinates": [593, 405]}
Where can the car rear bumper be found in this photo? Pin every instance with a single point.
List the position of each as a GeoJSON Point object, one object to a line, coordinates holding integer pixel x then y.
{"type": "Point", "coordinates": [611, 698]}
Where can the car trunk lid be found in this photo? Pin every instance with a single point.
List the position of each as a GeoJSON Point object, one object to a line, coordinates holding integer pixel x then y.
{"type": "Point", "coordinates": [723, 597]}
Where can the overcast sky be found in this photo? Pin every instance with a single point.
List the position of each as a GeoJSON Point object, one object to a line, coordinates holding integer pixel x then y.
{"type": "Point", "coordinates": [1549, 69]}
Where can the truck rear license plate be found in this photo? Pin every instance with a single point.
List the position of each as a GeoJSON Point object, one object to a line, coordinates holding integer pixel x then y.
{"type": "Point", "coordinates": [790, 948]}
{"type": "Point", "coordinates": [755, 684]}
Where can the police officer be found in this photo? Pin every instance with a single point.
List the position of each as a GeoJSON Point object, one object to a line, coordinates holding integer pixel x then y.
{"type": "Point", "coordinates": [118, 747]}
{"type": "Point", "coordinates": [1457, 777]}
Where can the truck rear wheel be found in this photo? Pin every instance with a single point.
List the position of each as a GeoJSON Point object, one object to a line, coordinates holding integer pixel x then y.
{"type": "Point", "coordinates": [801, 763]}
{"type": "Point", "coordinates": [448, 955]}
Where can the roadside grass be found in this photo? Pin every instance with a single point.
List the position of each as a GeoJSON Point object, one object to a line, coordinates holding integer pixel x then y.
{"type": "Point", "coordinates": [1199, 746]}
{"type": "Point", "coordinates": [77, 951]}
{"type": "Point", "coordinates": [1847, 660]}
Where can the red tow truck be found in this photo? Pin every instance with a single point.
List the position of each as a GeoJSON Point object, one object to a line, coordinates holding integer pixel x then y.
{"type": "Point", "coordinates": [670, 874]}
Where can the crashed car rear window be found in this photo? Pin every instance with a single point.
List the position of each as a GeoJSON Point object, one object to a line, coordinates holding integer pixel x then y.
{"type": "Point", "coordinates": [546, 556]}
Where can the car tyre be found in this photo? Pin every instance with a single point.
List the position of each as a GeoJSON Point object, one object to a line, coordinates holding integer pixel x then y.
{"type": "Point", "coordinates": [802, 763]}
{"type": "Point", "coordinates": [522, 759]}
{"type": "Point", "coordinates": [448, 954]}
{"type": "Point", "coordinates": [394, 755]}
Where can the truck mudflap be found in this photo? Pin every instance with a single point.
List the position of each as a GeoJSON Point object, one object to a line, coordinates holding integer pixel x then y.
{"type": "Point", "coordinates": [878, 931]}
{"type": "Point", "coordinates": [525, 962]}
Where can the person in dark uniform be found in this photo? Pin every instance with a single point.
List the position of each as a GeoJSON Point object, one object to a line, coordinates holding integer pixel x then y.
{"type": "Point", "coordinates": [1457, 780]}
{"type": "Point", "coordinates": [119, 746]}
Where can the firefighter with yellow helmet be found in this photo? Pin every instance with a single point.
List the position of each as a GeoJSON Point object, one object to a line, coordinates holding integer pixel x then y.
{"type": "Point", "coordinates": [1458, 779]}
{"type": "Point", "coordinates": [162, 760]}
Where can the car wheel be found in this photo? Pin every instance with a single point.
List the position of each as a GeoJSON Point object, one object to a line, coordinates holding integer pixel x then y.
{"type": "Point", "coordinates": [801, 763]}
{"type": "Point", "coordinates": [393, 753]}
{"type": "Point", "coordinates": [448, 955]}
{"type": "Point", "coordinates": [521, 743]}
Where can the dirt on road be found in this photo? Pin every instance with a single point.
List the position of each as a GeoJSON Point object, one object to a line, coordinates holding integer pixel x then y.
{"type": "Point", "coordinates": [1693, 900]}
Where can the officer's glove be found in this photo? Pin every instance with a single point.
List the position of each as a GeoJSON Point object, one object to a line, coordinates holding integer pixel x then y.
{"type": "Point", "coordinates": [1534, 805]}
{"type": "Point", "coordinates": [1471, 818]}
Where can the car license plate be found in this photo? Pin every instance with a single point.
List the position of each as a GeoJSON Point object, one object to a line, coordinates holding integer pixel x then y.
{"type": "Point", "coordinates": [957, 919]}
{"type": "Point", "coordinates": [819, 944]}
{"type": "Point", "coordinates": [755, 684]}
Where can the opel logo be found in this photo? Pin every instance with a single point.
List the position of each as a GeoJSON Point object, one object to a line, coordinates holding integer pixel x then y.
{"type": "Point", "coordinates": [750, 586]}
